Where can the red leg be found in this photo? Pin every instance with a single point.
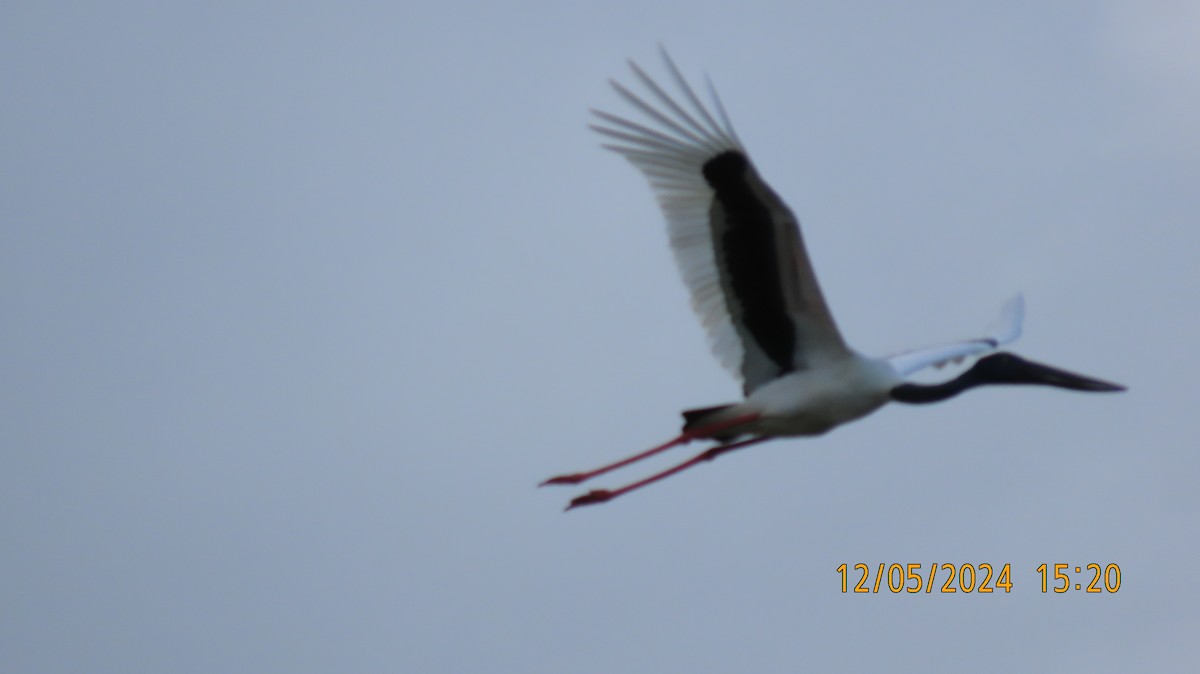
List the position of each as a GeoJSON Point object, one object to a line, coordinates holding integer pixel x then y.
{"type": "Point", "coordinates": [604, 495]}
{"type": "Point", "coordinates": [576, 478]}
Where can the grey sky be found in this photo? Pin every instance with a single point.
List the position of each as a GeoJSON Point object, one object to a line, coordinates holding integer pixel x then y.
{"type": "Point", "coordinates": [301, 301]}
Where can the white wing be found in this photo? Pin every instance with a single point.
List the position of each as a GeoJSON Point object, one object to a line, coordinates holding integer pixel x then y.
{"type": "Point", "coordinates": [737, 245]}
{"type": "Point", "coordinates": [1007, 328]}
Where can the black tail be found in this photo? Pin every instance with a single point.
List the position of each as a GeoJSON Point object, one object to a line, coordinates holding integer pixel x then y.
{"type": "Point", "coordinates": [704, 416]}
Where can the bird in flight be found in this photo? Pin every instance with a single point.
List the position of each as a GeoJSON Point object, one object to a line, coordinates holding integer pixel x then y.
{"type": "Point", "coordinates": [739, 250]}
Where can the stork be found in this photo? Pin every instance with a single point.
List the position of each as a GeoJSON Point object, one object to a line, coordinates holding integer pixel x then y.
{"type": "Point", "coordinates": [739, 250]}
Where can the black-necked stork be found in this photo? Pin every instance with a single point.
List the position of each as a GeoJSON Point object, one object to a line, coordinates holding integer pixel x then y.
{"type": "Point", "coordinates": [739, 249]}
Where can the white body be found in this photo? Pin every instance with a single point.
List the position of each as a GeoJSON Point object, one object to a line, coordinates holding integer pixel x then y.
{"type": "Point", "coordinates": [813, 401]}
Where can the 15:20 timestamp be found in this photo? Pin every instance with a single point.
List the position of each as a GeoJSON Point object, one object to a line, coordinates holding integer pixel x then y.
{"type": "Point", "coordinates": [1103, 579]}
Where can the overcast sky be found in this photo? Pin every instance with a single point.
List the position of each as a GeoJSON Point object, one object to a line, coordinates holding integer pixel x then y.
{"type": "Point", "coordinates": [301, 300]}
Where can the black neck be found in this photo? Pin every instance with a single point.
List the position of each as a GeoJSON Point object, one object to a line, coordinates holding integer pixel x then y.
{"type": "Point", "coordinates": [916, 394]}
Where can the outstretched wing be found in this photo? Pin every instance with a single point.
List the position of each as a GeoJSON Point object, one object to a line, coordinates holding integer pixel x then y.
{"type": "Point", "coordinates": [737, 244]}
{"type": "Point", "coordinates": [1007, 328]}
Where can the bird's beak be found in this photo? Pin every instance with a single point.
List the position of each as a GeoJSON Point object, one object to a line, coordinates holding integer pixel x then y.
{"type": "Point", "coordinates": [1036, 373]}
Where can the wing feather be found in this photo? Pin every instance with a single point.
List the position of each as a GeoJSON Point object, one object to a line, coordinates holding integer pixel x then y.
{"type": "Point", "coordinates": [743, 238]}
{"type": "Point", "coordinates": [1007, 328]}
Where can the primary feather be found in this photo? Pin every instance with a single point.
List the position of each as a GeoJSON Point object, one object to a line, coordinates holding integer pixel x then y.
{"type": "Point", "coordinates": [737, 244]}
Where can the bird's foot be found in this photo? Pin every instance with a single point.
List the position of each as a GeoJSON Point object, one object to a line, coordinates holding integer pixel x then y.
{"type": "Point", "coordinates": [590, 498]}
{"type": "Point", "coordinates": [573, 478]}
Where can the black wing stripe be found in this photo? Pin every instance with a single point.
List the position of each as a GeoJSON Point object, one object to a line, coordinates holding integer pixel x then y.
{"type": "Point", "coordinates": [748, 260]}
